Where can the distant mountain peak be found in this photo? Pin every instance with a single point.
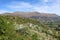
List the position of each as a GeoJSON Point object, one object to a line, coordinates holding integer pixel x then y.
{"type": "Point", "coordinates": [35, 13]}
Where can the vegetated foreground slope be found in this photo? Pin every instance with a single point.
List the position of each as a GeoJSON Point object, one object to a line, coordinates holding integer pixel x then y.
{"type": "Point", "coordinates": [20, 28]}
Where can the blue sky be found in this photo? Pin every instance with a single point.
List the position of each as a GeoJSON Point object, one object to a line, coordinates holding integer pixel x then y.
{"type": "Point", "coordinates": [45, 6]}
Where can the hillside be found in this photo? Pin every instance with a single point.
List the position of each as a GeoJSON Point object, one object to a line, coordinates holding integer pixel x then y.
{"type": "Point", "coordinates": [51, 20]}
{"type": "Point", "coordinates": [36, 15]}
{"type": "Point", "coordinates": [20, 28]}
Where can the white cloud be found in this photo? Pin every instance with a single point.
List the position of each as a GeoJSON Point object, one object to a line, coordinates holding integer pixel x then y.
{"type": "Point", "coordinates": [58, 1]}
{"type": "Point", "coordinates": [20, 5]}
{"type": "Point", "coordinates": [25, 6]}
{"type": "Point", "coordinates": [4, 11]}
{"type": "Point", "coordinates": [45, 0]}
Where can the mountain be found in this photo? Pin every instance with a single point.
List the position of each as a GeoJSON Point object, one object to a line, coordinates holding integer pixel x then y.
{"type": "Point", "coordinates": [47, 18]}
{"type": "Point", "coordinates": [36, 15]}
{"type": "Point", "coordinates": [33, 14]}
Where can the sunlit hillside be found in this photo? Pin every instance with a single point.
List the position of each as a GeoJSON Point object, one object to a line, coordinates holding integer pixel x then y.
{"type": "Point", "coordinates": [20, 28]}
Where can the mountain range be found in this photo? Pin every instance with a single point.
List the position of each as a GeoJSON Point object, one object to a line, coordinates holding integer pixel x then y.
{"type": "Point", "coordinates": [36, 15]}
{"type": "Point", "coordinates": [46, 18]}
